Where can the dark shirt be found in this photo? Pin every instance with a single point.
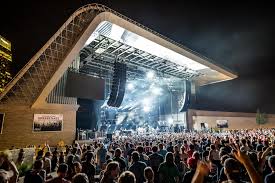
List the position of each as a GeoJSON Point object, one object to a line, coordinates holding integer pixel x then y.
{"type": "Point", "coordinates": [130, 152]}
{"type": "Point", "coordinates": [122, 164]}
{"type": "Point", "coordinates": [222, 175]}
{"type": "Point", "coordinates": [270, 178]}
{"type": "Point", "coordinates": [138, 169]}
{"type": "Point", "coordinates": [89, 169]}
{"type": "Point", "coordinates": [34, 176]}
{"type": "Point", "coordinates": [168, 172]}
{"type": "Point", "coordinates": [188, 176]}
{"type": "Point", "coordinates": [54, 163]}
{"type": "Point", "coordinates": [170, 149]}
{"type": "Point", "coordinates": [155, 160]}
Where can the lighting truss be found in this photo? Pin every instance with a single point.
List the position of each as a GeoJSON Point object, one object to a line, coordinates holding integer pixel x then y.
{"type": "Point", "coordinates": [98, 57]}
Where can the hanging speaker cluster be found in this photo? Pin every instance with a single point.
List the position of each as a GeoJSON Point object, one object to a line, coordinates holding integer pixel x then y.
{"type": "Point", "coordinates": [118, 85]}
{"type": "Point", "coordinates": [187, 98]}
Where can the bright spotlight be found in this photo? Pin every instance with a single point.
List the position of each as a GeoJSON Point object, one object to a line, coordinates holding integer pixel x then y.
{"type": "Point", "coordinates": [130, 86]}
{"type": "Point", "coordinates": [146, 101]}
{"type": "Point", "coordinates": [170, 121]}
{"type": "Point", "coordinates": [146, 108]}
{"type": "Point", "coordinates": [156, 91]}
{"type": "Point", "coordinates": [150, 75]}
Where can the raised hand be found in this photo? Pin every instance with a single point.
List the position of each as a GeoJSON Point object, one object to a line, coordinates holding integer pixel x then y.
{"type": "Point", "coordinates": [242, 157]}
{"type": "Point", "coordinates": [203, 168]}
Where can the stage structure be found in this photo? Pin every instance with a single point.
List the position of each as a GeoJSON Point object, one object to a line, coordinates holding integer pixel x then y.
{"type": "Point", "coordinates": [100, 42]}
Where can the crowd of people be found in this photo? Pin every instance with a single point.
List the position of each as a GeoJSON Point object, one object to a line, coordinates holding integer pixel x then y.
{"type": "Point", "coordinates": [197, 157]}
{"type": "Point", "coordinates": [57, 126]}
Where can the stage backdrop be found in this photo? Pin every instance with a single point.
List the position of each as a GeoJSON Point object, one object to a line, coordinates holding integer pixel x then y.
{"type": "Point", "coordinates": [47, 122]}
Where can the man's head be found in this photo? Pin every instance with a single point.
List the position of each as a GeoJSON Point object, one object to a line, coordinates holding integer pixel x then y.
{"type": "Point", "coordinates": [62, 170]}
{"type": "Point", "coordinates": [160, 146]}
{"type": "Point", "coordinates": [271, 162]}
{"type": "Point", "coordinates": [113, 169]}
{"type": "Point", "coordinates": [232, 169]}
{"type": "Point", "coordinates": [40, 153]}
{"type": "Point", "coordinates": [154, 149]}
{"type": "Point", "coordinates": [77, 167]}
{"type": "Point", "coordinates": [135, 156]}
{"type": "Point", "coordinates": [140, 149]}
{"type": "Point", "coordinates": [74, 150]}
{"type": "Point", "coordinates": [89, 156]}
{"type": "Point", "coordinates": [127, 177]}
{"type": "Point", "coordinates": [223, 158]}
{"type": "Point", "coordinates": [176, 148]}
{"type": "Point", "coordinates": [149, 173]}
{"type": "Point", "coordinates": [48, 154]}
{"type": "Point", "coordinates": [169, 158]}
{"type": "Point", "coordinates": [243, 141]}
{"type": "Point", "coordinates": [3, 157]}
{"type": "Point", "coordinates": [80, 178]}
{"type": "Point", "coordinates": [38, 165]}
{"type": "Point", "coordinates": [117, 152]}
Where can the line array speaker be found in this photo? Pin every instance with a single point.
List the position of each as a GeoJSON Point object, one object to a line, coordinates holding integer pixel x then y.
{"type": "Point", "coordinates": [187, 98]}
{"type": "Point", "coordinates": [118, 85]}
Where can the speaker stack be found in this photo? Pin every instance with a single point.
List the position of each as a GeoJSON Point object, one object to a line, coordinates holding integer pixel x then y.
{"type": "Point", "coordinates": [118, 85]}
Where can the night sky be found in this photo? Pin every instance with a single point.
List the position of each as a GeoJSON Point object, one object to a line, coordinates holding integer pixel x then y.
{"type": "Point", "coordinates": [237, 35]}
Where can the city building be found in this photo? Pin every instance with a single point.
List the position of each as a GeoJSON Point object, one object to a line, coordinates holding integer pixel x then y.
{"type": "Point", "coordinates": [5, 62]}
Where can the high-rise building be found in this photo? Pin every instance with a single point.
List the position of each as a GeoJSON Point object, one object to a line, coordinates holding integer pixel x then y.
{"type": "Point", "coordinates": [5, 62]}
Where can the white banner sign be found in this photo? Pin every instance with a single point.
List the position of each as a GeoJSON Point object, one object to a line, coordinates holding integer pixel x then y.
{"type": "Point", "coordinates": [47, 122]}
{"type": "Point", "coordinates": [222, 123]}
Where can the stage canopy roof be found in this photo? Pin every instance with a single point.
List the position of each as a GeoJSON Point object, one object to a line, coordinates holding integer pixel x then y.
{"type": "Point", "coordinates": [102, 36]}
{"type": "Point", "coordinates": [111, 42]}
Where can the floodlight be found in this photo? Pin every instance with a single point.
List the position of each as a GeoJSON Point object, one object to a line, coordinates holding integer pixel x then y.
{"type": "Point", "coordinates": [150, 75]}
{"type": "Point", "coordinates": [146, 108]}
{"type": "Point", "coordinates": [170, 121]}
{"type": "Point", "coordinates": [156, 90]}
{"type": "Point", "coordinates": [146, 101]}
{"type": "Point", "coordinates": [130, 86]}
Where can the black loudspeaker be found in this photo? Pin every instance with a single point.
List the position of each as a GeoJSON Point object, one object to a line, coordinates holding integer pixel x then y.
{"type": "Point", "coordinates": [86, 116]}
{"type": "Point", "coordinates": [203, 126]}
{"type": "Point", "coordinates": [109, 136]}
{"type": "Point", "coordinates": [121, 88]}
{"type": "Point", "coordinates": [115, 84]}
{"type": "Point", "coordinates": [187, 99]}
{"type": "Point", "coordinates": [118, 85]}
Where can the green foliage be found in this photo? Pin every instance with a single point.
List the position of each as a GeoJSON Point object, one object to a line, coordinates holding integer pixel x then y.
{"type": "Point", "coordinates": [260, 117]}
{"type": "Point", "coordinates": [24, 168]}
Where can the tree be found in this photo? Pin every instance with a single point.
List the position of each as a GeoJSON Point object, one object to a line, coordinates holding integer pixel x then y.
{"type": "Point", "coordinates": [260, 117]}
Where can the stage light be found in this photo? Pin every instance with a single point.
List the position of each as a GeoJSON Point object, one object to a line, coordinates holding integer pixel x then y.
{"type": "Point", "coordinates": [146, 109]}
{"type": "Point", "coordinates": [170, 121]}
{"type": "Point", "coordinates": [130, 86]}
{"type": "Point", "coordinates": [156, 91]}
{"type": "Point", "coordinates": [146, 101]}
{"type": "Point", "coordinates": [150, 75]}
